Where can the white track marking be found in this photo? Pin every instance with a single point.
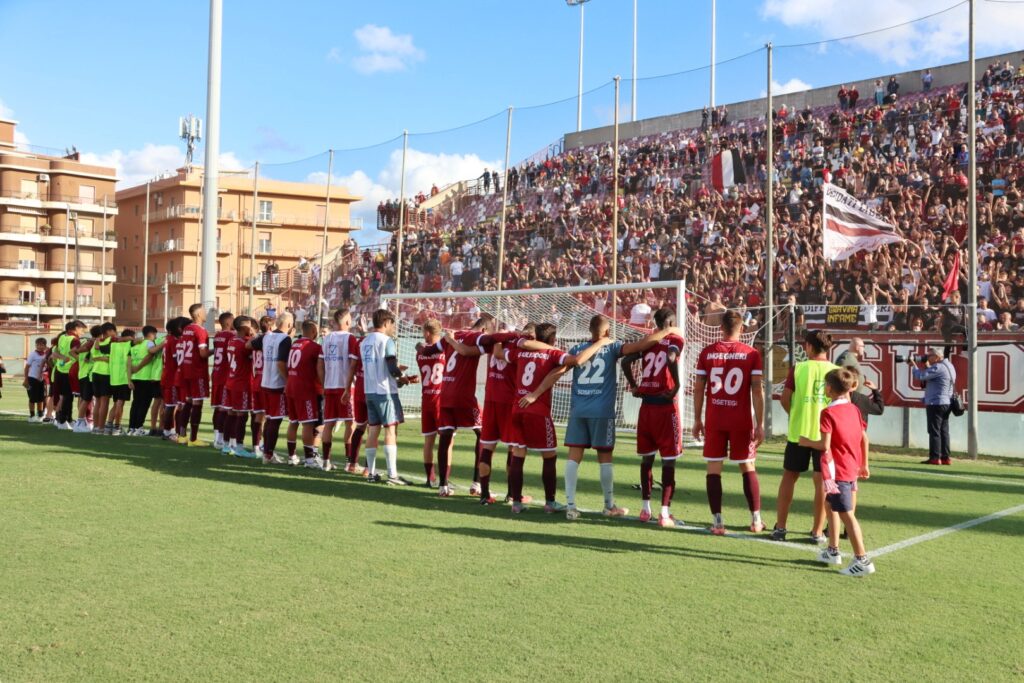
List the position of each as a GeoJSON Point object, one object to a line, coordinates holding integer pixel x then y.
{"type": "Point", "coordinates": [939, 533]}
{"type": "Point", "coordinates": [947, 475]}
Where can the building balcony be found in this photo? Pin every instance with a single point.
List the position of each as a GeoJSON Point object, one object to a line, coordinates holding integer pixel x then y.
{"type": "Point", "coordinates": [48, 201]}
{"type": "Point", "coordinates": [12, 231]}
{"type": "Point", "coordinates": [49, 309]}
{"type": "Point", "coordinates": [165, 246]}
{"type": "Point", "coordinates": [30, 270]}
{"type": "Point", "coordinates": [306, 221]}
{"type": "Point", "coordinates": [187, 212]}
{"type": "Point", "coordinates": [182, 279]}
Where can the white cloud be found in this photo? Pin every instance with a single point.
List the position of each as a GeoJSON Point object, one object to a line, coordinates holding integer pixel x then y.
{"type": "Point", "coordinates": [333, 55]}
{"type": "Point", "coordinates": [383, 50]}
{"type": "Point", "coordinates": [5, 111]}
{"type": "Point", "coordinates": [940, 38]}
{"type": "Point", "coordinates": [422, 169]}
{"type": "Point", "coordinates": [792, 85]}
{"type": "Point", "coordinates": [136, 166]}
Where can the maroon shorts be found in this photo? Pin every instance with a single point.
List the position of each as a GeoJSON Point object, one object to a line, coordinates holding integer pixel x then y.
{"type": "Point", "coordinates": [220, 396]}
{"type": "Point", "coordinates": [359, 415]}
{"type": "Point", "coordinates": [531, 431]}
{"type": "Point", "coordinates": [259, 403]}
{"type": "Point", "coordinates": [169, 392]}
{"type": "Point", "coordinates": [431, 415]}
{"type": "Point", "coordinates": [197, 388]}
{"type": "Point", "coordinates": [336, 410]}
{"type": "Point", "coordinates": [274, 404]}
{"type": "Point", "coordinates": [739, 443]}
{"type": "Point", "coordinates": [305, 408]}
{"type": "Point", "coordinates": [658, 431]}
{"type": "Point", "coordinates": [495, 422]}
{"type": "Point", "coordinates": [460, 417]}
{"type": "Point", "coordinates": [239, 400]}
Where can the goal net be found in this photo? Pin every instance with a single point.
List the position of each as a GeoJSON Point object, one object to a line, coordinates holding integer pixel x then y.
{"type": "Point", "coordinates": [629, 308]}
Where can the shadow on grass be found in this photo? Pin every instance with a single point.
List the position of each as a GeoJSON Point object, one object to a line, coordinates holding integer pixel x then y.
{"type": "Point", "coordinates": [603, 545]}
{"type": "Point", "coordinates": [166, 458]}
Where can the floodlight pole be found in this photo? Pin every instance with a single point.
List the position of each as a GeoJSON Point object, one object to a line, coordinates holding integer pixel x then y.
{"type": "Point", "coordinates": [713, 31]}
{"type": "Point", "coordinates": [972, 247]}
{"type": "Point", "coordinates": [401, 217]}
{"type": "Point", "coordinates": [208, 291]}
{"type": "Point", "coordinates": [252, 239]}
{"type": "Point", "coordinates": [504, 205]}
{"type": "Point", "coordinates": [74, 314]}
{"type": "Point", "coordinates": [323, 246]}
{"type": "Point", "coordinates": [67, 254]}
{"type": "Point", "coordinates": [145, 261]}
{"type": "Point", "coordinates": [103, 264]}
{"type": "Point", "coordinates": [615, 201]}
{"type": "Point", "coordinates": [579, 86]}
{"type": "Point", "coordinates": [769, 252]}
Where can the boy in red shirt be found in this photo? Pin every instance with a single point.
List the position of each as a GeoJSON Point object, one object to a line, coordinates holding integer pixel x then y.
{"type": "Point", "coordinates": [844, 446]}
{"type": "Point", "coordinates": [303, 390]}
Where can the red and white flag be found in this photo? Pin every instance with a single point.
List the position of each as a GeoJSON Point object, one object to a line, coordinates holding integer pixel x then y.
{"type": "Point", "coordinates": [850, 226]}
{"type": "Point", "coordinates": [727, 170]}
{"type": "Point", "coordinates": [952, 281]}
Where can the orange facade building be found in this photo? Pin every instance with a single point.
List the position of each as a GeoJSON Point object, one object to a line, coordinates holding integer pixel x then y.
{"type": "Point", "coordinates": [56, 236]}
{"type": "Point", "coordinates": [259, 245]}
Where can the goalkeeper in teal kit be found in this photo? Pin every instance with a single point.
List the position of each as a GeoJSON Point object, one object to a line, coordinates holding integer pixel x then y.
{"type": "Point", "coordinates": [592, 412]}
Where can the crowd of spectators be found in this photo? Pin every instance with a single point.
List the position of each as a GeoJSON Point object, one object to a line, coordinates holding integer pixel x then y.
{"type": "Point", "coordinates": [904, 155]}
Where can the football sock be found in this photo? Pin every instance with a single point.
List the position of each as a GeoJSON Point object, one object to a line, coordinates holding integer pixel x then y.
{"type": "Point", "coordinates": [326, 445]}
{"type": "Point", "coordinates": [391, 454]}
{"type": "Point", "coordinates": [371, 460]}
{"type": "Point", "coordinates": [239, 433]}
{"type": "Point", "coordinates": [666, 511]}
{"type": "Point", "coordinates": [257, 431]}
{"type": "Point", "coordinates": [646, 476]}
{"type": "Point", "coordinates": [218, 421]}
{"type": "Point", "coordinates": [484, 467]}
{"type": "Point", "coordinates": [752, 490]}
{"type": "Point", "coordinates": [270, 436]}
{"type": "Point", "coordinates": [182, 417]}
{"type": "Point", "coordinates": [549, 475]}
{"type": "Point", "coordinates": [646, 505]}
{"type": "Point", "coordinates": [195, 417]}
{"type": "Point", "coordinates": [668, 482]}
{"type": "Point", "coordinates": [357, 441]}
{"type": "Point", "coordinates": [608, 485]}
{"type": "Point", "coordinates": [443, 462]}
{"type": "Point", "coordinates": [309, 452]}
{"type": "Point", "coordinates": [476, 456]}
{"type": "Point", "coordinates": [515, 479]}
{"type": "Point", "coordinates": [291, 448]}
{"type": "Point", "coordinates": [717, 519]}
{"type": "Point", "coordinates": [572, 472]}
{"type": "Point", "coordinates": [428, 469]}
{"type": "Point", "coordinates": [713, 482]}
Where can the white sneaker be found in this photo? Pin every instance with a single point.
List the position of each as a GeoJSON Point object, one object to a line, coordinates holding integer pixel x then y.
{"type": "Point", "coordinates": [33, 419]}
{"type": "Point", "coordinates": [329, 466]}
{"type": "Point", "coordinates": [274, 459]}
{"type": "Point", "coordinates": [859, 569]}
{"type": "Point", "coordinates": [218, 442]}
{"type": "Point", "coordinates": [828, 557]}
{"type": "Point", "coordinates": [294, 461]}
{"type": "Point", "coordinates": [572, 514]}
{"type": "Point", "coordinates": [313, 464]}
{"type": "Point", "coordinates": [474, 489]}
{"type": "Point", "coordinates": [64, 427]}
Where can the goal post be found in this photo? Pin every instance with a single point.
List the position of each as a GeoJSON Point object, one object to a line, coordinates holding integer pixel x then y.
{"type": "Point", "coordinates": [628, 307]}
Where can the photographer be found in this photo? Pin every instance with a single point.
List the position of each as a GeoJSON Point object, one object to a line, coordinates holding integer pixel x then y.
{"type": "Point", "coordinates": [939, 379]}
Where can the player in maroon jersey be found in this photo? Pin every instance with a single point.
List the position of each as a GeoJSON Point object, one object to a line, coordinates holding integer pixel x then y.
{"type": "Point", "coordinates": [530, 426]}
{"type": "Point", "coordinates": [430, 369]}
{"type": "Point", "coordinates": [729, 374]}
{"type": "Point", "coordinates": [302, 393]}
{"type": "Point", "coordinates": [658, 430]}
{"type": "Point", "coordinates": [193, 369]}
{"type": "Point", "coordinates": [219, 397]}
{"type": "Point", "coordinates": [359, 417]}
{"type": "Point", "coordinates": [238, 387]}
{"type": "Point", "coordinates": [168, 377]}
{"type": "Point", "coordinates": [459, 407]}
{"type": "Point", "coordinates": [256, 388]}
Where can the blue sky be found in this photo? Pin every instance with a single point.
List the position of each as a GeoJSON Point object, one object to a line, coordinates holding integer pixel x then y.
{"type": "Point", "coordinates": [112, 77]}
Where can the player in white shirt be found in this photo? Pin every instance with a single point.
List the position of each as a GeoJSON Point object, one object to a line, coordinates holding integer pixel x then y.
{"type": "Point", "coordinates": [275, 346]}
{"type": "Point", "coordinates": [34, 365]}
{"type": "Point", "coordinates": [341, 353]}
{"type": "Point", "coordinates": [381, 373]}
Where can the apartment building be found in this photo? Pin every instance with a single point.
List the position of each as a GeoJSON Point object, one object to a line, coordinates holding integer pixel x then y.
{"type": "Point", "coordinates": [56, 236]}
{"type": "Point", "coordinates": [260, 240]}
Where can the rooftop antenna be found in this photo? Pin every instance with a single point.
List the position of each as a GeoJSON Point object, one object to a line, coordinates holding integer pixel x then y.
{"type": "Point", "coordinates": [190, 129]}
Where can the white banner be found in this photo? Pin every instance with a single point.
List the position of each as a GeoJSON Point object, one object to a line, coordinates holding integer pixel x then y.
{"type": "Point", "coordinates": [849, 226]}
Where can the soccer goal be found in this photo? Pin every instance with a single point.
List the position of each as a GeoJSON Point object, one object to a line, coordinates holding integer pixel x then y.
{"type": "Point", "coordinates": [628, 307]}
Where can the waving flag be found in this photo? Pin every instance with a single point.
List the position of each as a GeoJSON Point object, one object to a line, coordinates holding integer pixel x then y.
{"type": "Point", "coordinates": [952, 281]}
{"type": "Point", "coordinates": [727, 170]}
{"type": "Point", "coordinates": [850, 226]}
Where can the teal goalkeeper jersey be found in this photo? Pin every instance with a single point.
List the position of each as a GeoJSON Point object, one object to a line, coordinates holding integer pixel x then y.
{"type": "Point", "coordinates": [594, 384]}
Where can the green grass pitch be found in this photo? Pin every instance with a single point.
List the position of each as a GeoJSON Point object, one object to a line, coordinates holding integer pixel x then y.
{"type": "Point", "coordinates": [134, 559]}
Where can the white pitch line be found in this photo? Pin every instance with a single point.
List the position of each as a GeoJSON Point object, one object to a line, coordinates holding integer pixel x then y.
{"type": "Point", "coordinates": [938, 533]}
{"type": "Point", "coordinates": [946, 475]}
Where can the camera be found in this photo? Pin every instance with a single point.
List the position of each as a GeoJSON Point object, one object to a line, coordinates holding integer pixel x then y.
{"type": "Point", "coordinates": [916, 357]}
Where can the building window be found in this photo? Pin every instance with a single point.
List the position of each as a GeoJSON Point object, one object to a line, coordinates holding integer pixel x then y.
{"type": "Point", "coordinates": [158, 199]}
{"type": "Point", "coordinates": [27, 259]}
{"type": "Point", "coordinates": [135, 273]}
{"type": "Point", "coordinates": [266, 211]}
{"type": "Point", "coordinates": [28, 223]}
{"type": "Point", "coordinates": [27, 296]}
{"type": "Point", "coordinates": [135, 303]}
{"type": "Point", "coordinates": [264, 246]}
{"type": "Point", "coordinates": [87, 194]}
{"type": "Point", "coordinates": [136, 209]}
{"type": "Point", "coordinates": [85, 227]}
{"type": "Point", "coordinates": [84, 296]}
{"type": "Point", "coordinates": [29, 189]}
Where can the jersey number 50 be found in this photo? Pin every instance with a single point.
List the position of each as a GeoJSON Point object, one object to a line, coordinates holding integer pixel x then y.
{"type": "Point", "coordinates": [732, 382]}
